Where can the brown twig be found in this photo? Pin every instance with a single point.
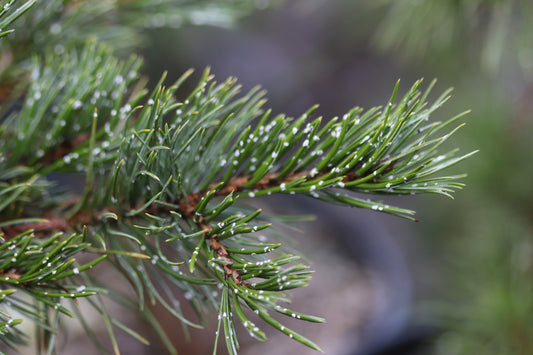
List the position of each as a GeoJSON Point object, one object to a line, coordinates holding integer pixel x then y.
{"type": "Point", "coordinates": [187, 206]}
{"type": "Point", "coordinates": [236, 183]}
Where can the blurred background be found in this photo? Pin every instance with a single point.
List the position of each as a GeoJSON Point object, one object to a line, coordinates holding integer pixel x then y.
{"type": "Point", "coordinates": [458, 282]}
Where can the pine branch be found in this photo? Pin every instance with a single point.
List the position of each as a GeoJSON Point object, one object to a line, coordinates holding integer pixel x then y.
{"type": "Point", "coordinates": [161, 175]}
{"type": "Point", "coordinates": [163, 183]}
{"type": "Point", "coordinates": [387, 152]}
{"type": "Point", "coordinates": [44, 271]}
{"type": "Point", "coordinates": [391, 151]}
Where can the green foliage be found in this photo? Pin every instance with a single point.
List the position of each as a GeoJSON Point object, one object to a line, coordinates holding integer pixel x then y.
{"type": "Point", "coordinates": [44, 271]}
{"type": "Point", "coordinates": [164, 177]}
{"type": "Point", "coordinates": [62, 24]}
{"type": "Point", "coordinates": [497, 30]}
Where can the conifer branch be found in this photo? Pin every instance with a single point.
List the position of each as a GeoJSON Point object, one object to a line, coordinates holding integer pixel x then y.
{"type": "Point", "coordinates": [163, 181]}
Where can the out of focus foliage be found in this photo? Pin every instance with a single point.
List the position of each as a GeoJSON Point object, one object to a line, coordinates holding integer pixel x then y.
{"type": "Point", "coordinates": [489, 247]}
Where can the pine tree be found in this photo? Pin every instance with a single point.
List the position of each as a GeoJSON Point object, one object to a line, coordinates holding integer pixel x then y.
{"type": "Point", "coordinates": [165, 177]}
